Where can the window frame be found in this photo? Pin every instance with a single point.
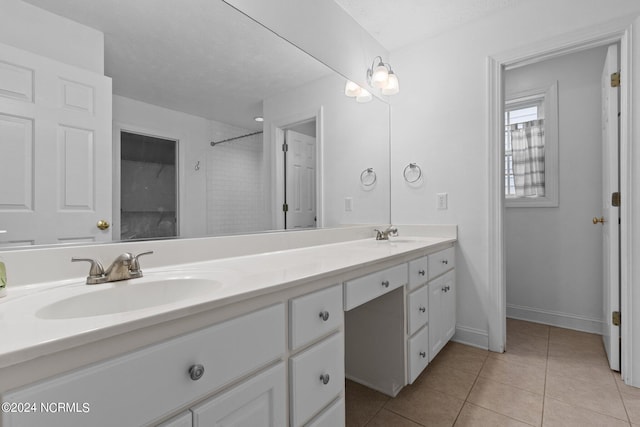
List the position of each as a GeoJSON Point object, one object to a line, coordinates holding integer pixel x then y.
{"type": "Point", "coordinates": [549, 97]}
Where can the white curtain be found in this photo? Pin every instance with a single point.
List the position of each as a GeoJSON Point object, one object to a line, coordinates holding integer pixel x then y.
{"type": "Point", "coordinates": [527, 144]}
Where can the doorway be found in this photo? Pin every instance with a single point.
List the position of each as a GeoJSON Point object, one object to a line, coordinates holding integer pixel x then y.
{"type": "Point", "coordinates": [148, 186]}
{"type": "Point", "coordinates": [554, 252]}
{"type": "Point", "coordinates": [300, 169]}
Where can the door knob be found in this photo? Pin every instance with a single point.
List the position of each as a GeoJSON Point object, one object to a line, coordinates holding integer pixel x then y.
{"type": "Point", "coordinates": [103, 224]}
{"type": "Point", "coordinates": [598, 220]}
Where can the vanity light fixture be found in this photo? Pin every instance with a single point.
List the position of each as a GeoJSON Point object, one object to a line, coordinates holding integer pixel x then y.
{"type": "Point", "coordinates": [353, 90]}
{"type": "Point", "coordinates": [259, 119]}
{"type": "Point", "coordinates": [364, 96]}
{"type": "Point", "coordinates": [383, 77]}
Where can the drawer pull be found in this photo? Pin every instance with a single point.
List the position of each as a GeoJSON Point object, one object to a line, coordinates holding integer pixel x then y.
{"type": "Point", "coordinates": [385, 283]}
{"type": "Point", "coordinates": [422, 309]}
{"type": "Point", "coordinates": [324, 315]}
{"type": "Point", "coordinates": [444, 261]}
{"type": "Point", "coordinates": [423, 354]}
{"type": "Point", "coordinates": [422, 272]}
{"type": "Point", "coordinates": [196, 372]}
{"type": "Point", "coordinates": [324, 378]}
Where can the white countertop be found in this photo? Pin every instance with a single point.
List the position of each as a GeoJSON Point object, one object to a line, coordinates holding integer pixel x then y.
{"type": "Point", "coordinates": [26, 336]}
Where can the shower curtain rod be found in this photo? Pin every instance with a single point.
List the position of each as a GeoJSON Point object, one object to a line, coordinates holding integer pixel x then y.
{"type": "Point", "coordinates": [213, 143]}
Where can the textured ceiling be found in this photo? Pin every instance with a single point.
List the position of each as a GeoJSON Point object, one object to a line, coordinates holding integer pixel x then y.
{"type": "Point", "coordinates": [201, 57]}
{"type": "Point", "coordinates": [397, 23]}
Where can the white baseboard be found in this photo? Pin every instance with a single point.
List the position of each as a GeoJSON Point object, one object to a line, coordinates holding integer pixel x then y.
{"type": "Point", "coordinates": [471, 336]}
{"type": "Point", "coordinates": [555, 318]}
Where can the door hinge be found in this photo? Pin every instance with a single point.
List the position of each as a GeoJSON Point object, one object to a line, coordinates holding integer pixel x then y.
{"type": "Point", "coordinates": [615, 199]}
{"type": "Point", "coordinates": [285, 147]}
{"type": "Point", "coordinates": [615, 318]}
{"type": "Point", "coordinates": [615, 79]}
{"type": "Point", "coordinates": [285, 208]}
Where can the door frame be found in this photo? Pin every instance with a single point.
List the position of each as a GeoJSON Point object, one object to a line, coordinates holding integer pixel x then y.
{"type": "Point", "coordinates": [277, 128]}
{"type": "Point", "coordinates": [618, 31]}
{"type": "Point", "coordinates": [118, 128]}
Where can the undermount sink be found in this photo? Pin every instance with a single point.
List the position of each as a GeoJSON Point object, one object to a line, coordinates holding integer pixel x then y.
{"type": "Point", "coordinates": [126, 296]}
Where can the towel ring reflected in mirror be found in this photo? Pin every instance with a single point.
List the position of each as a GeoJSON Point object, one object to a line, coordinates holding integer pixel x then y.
{"type": "Point", "coordinates": [412, 173]}
{"type": "Point", "coordinates": [368, 177]}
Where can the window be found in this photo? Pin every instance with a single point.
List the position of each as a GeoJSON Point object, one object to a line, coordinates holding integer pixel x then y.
{"type": "Point", "coordinates": [531, 148]}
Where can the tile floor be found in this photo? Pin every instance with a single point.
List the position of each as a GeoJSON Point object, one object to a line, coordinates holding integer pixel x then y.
{"type": "Point", "coordinates": [548, 377]}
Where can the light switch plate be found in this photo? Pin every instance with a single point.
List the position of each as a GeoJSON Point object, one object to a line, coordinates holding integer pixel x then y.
{"type": "Point", "coordinates": [348, 204]}
{"type": "Point", "coordinates": [442, 201]}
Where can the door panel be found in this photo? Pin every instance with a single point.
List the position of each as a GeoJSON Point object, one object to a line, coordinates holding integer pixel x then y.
{"type": "Point", "coordinates": [301, 176]}
{"type": "Point", "coordinates": [55, 151]}
{"type": "Point", "coordinates": [610, 226]}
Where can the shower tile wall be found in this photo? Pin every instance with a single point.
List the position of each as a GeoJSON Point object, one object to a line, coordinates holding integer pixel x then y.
{"type": "Point", "coordinates": [235, 191]}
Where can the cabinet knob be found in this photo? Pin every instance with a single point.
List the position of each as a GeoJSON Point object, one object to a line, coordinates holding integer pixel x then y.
{"type": "Point", "coordinates": [444, 261]}
{"type": "Point", "coordinates": [196, 372]}
{"type": "Point", "coordinates": [447, 288]}
{"type": "Point", "coordinates": [422, 309]}
{"type": "Point", "coordinates": [385, 283]}
{"type": "Point", "coordinates": [324, 378]}
{"type": "Point", "coordinates": [423, 354]}
{"type": "Point", "coordinates": [421, 272]}
{"type": "Point", "coordinates": [324, 315]}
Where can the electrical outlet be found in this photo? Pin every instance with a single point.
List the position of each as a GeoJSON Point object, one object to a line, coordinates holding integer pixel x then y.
{"type": "Point", "coordinates": [441, 200]}
{"type": "Point", "coordinates": [348, 204]}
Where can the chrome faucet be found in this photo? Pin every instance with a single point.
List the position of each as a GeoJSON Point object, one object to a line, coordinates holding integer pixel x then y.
{"type": "Point", "coordinates": [125, 266]}
{"type": "Point", "coordinates": [384, 235]}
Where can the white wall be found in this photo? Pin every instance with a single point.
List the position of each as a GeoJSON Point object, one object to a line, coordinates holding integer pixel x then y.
{"type": "Point", "coordinates": [236, 188]}
{"type": "Point", "coordinates": [355, 137]}
{"type": "Point", "coordinates": [440, 122]}
{"type": "Point", "coordinates": [30, 28]}
{"type": "Point", "coordinates": [194, 135]}
{"type": "Point", "coordinates": [554, 255]}
{"type": "Point", "coordinates": [321, 28]}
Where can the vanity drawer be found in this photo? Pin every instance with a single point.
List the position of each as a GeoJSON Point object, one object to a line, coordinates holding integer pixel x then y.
{"type": "Point", "coordinates": [418, 269]}
{"type": "Point", "coordinates": [441, 261]}
{"type": "Point", "coordinates": [417, 309]}
{"type": "Point", "coordinates": [317, 377]}
{"type": "Point", "coordinates": [418, 357]}
{"type": "Point", "coordinates": [258, 402]}
{"type": "Point", "coordinates": [363, 289]}
{"type": "Point", "coordinates": [333, 416]}
{"type": "Point", "coordinates": [315, 315]}
{"type": "Point", "coordinates": [145, 385]}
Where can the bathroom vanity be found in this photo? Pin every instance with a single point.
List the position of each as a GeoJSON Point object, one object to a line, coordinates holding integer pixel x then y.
{"type": "Point", "coordinates": [270, 344]}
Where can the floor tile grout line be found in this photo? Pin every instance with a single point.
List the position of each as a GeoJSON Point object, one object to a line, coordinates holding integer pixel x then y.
{"type": "Point", "coordinates": [466, 399]}
{"type": "Point", "coordinates": [624, 405]}
{"type": "Point", "coordinates": [546, 373]}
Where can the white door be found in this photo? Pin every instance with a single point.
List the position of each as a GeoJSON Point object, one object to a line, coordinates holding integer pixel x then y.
{"type": "Point", "coordinates": [55, 151]}
{"type": "Point", "coordinates": [610, 214]}
{"type": "Point", "coordinates": [300, 191]}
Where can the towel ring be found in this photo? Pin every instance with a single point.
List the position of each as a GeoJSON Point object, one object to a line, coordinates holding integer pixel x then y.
{"type": "Point", "coordinates": [368, 177]}
{"type": "Point", "coordinates": [412, 173]}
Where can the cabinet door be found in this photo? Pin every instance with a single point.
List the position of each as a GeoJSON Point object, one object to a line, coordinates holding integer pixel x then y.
{"type": "Point", "coordinates": [449, 305]}
{"type": "Point", "coordinates": [257, 402]}
{"type": "Point", "coordinates": [436, 322]}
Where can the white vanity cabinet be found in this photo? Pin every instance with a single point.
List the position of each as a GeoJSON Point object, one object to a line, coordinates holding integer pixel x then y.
{"type": "Point", "coordinates": [417, 310]}
{"type": "Point", "coordinates": [148, 384]}
{"type": "Point", "coordinates": [442, 309]}
{"type": "Point", "coordinates": [316, 373]}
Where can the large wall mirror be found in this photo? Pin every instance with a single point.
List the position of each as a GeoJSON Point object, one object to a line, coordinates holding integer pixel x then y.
{"type": "Point", "coordinates": [218, 127]}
